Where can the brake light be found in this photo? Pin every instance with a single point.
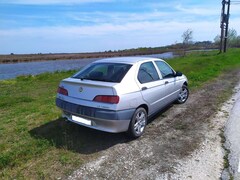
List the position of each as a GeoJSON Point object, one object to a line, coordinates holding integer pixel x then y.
{"type": "Point", "coordinates": [107, 99]}
{"type": "Point", "coordinates": [62, 91]}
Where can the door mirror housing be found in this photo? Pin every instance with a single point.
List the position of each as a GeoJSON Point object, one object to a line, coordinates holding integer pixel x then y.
{"type": "Point", "coordinates": [178, 74]}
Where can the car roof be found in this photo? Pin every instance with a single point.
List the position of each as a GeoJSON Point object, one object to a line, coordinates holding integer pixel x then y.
{"type": "Point", "coordinates": [127, 59]}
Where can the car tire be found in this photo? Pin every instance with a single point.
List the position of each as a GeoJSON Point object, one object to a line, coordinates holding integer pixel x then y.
{"type": "Point", "coordinates": [183, 95]}
{"type": "Point", "coordinates": [138, 123]}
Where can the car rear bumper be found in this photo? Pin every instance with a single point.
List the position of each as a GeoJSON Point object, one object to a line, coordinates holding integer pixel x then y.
{"type": "Point", "coordinates": [96, 118]}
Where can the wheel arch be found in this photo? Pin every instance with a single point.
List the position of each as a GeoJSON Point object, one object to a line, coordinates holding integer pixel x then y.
{"type": "Point", "coordinates": [143, 106]}
{"type": "Point", "coordinates": [185, 83]}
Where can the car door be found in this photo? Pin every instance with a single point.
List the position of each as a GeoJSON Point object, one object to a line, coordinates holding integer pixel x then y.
{"type": "Point", "coordinates": [172, 83]}
{"type": "Point", "coordinates": [152, 87]}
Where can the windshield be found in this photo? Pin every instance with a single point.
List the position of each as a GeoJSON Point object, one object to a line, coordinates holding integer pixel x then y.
{"type": "Point", "coordinates": [108, 72]}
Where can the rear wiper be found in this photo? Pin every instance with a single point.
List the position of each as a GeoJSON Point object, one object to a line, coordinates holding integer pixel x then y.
{"type": "Point", "coordinates": [103, 80]}
{"type": "Point", "coordinates": [85, 78]}
{"type": "Point", "coordinates": [107, 80]}
{"type": "Point", "coordinates": [82, 78]}
{"type": "Point", "coordinates": [94, 79]}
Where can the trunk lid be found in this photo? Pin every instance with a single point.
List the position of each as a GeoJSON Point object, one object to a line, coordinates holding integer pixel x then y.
{"type": "Point", "coordinates": [87, 89]}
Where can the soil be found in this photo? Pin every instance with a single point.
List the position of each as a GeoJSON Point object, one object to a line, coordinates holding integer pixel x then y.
{"type": "Point", "coordinates": [181, 142]}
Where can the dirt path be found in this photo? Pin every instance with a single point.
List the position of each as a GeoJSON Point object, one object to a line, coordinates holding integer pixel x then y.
{"type": "Point", "coordinates": [182, 142]}
{"type": "Point", "coordinates": [232, 135]}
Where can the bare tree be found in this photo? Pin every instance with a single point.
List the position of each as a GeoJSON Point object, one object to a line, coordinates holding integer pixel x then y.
{"type": "Point", "coordinates": [217, 40]}
{"type": "Point", "coordinates": [187, 36]}
{"type": "Point", "coordinates": [233, 39]}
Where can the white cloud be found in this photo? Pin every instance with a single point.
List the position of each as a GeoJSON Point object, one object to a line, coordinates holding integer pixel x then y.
{"type": "Point", "coordinates": [234, 23]}
{"type": "Point", "coordinates": [203, 11]}
{"type": "Point", "coordinates": [119, 17]}
{"type": "Point", "coordinates": [235, 10]}
{"type": "Point", "coordinates": [143, 27]}
{"type": "Point", "coordinates": [114, 30]}
{"type": "Point", "coordinates": [48, 2]}
{"type": "Point", "coordinates": [104, 36]}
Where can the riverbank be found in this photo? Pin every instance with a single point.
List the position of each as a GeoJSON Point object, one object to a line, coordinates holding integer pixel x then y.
{"type": "Point", "coordinates": [71, 56]}
{"type": "Point", "coordinates": [36, 143]}
{"type": "Point", "coordinates": [16, 58]}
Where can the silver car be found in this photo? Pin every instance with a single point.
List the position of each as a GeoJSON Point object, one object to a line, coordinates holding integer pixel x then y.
{"type": "Point", "coordinates": [120, 94]}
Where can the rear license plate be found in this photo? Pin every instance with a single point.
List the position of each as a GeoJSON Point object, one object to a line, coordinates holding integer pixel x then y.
{"type": "Point", "coordinates": [81, 120]}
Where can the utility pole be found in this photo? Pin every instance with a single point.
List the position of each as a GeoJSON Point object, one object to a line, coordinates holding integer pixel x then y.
{"type": "Point", "coordinates": [224, 25]}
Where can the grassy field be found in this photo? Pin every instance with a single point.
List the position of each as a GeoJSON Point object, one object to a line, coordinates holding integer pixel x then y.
{"type": "Point", "coordinates": [36, 143]}
{"type": "Point", "coordinates": [200, 67]}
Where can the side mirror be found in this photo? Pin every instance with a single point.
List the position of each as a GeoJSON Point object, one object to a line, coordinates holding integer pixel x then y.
{"type": "Point", "coordinates": [178, 74]}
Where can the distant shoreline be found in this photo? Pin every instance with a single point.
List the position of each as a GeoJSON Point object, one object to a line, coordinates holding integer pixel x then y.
{"type": "Point", "coordinates": [17, 58]}
{"type": "Point", "coordinates": [5, 59]}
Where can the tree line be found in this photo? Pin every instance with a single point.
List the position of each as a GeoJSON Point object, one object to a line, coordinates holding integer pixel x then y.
{"type": "Point", "coordinates": [233, 39]}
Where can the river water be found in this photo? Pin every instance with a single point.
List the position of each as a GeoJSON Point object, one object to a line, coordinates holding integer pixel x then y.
{"type": "Point", "coordinates": [9, 71]}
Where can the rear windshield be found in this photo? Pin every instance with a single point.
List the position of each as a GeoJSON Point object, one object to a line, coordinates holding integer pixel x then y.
{"type": "Point", "coordinates": [107, 72]}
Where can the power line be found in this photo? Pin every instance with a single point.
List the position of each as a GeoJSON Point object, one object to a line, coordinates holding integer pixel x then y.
{"type": "Point", "coordinates": [235, 2]}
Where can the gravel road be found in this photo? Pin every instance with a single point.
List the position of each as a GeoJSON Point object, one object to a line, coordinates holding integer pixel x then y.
{"type": "Point", "coordinates": [182, 142]}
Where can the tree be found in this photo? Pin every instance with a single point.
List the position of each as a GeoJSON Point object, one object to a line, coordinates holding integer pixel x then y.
{"type": "Point", "coordinates": [187, 36]}
{"type": "Point", "coordinates": [217, 40]}
{"type": "Point", "coordinates": [232, 37]}
{"type": "Point", "coordinates": [232, 41]}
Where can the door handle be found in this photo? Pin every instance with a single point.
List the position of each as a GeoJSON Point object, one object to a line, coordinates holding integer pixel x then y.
{"type": "Point", "coordinates": [166, 82]}
{"type": "Point", "coordinates": [144, 88]}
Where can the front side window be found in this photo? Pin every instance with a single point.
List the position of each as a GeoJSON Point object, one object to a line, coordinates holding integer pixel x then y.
{"type": "Point", "coordinates": [147, 73]}
{"type": "Point", "coordinates": [165, 69]}
{"type": "Point", "coordinates": [108, 72]}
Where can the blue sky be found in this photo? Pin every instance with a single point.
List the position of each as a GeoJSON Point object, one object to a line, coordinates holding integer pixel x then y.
{"type": "Point", "coordinates": [64, 26]}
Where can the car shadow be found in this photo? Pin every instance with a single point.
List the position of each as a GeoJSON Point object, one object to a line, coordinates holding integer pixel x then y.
{"type": "Point", "coordinates": [160, 113]}
{"type": "Point", "coordinates": [71, 136]}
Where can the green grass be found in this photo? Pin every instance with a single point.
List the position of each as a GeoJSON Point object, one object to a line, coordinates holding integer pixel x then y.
{"type": "Point", "coordinates": [200, 67]}
{"type": "Point", "coordinates": [36, 143]}
{"type": "Point", "coordinates": [26, 103]}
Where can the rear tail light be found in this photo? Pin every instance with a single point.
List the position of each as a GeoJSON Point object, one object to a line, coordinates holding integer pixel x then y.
{"type": "Point", "coordinates": [62, 91]}
{"type": "Point", "coordinates": [107, 99]}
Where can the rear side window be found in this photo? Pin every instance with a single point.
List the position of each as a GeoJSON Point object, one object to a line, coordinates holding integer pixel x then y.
{"type": "Point", "coordinates": [107, 72]}
{"type": "Point", "coordinates": [147, 73]}
{"type": "Point", "coordinates": [165, 69]}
